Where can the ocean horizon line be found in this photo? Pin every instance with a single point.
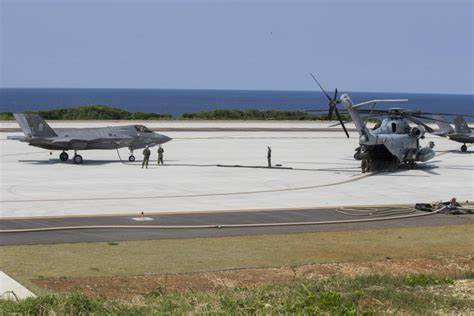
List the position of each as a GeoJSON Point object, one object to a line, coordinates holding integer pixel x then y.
{"type": "Point", "coordinates": [236, 90]}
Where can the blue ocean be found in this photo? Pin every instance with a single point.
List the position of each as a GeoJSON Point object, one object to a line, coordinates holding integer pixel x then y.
{"type": "Point", "coordinates": [176, 101]}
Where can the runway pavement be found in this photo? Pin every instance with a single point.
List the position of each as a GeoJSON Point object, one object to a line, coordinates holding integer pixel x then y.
{"type": "Point", "coordinates": [168, 221]}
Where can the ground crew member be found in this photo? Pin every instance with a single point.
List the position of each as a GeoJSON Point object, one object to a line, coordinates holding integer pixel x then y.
{"type": "Point", "coordinates": [146, 156]}
{"type": "Point", "coordinates": [269, 156]}
{"type": "Point", "coordinates": [160, 154]}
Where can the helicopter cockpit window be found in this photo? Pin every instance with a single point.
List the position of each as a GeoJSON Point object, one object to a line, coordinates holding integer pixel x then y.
{"type": "Point", "coordinates": [142, 129]}
{"type": "Point", "coordinates": [394, 127]}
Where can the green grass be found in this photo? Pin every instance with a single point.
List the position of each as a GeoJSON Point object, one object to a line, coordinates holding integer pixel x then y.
{"type": "Point", "coordinates": [212, 254]}
{"type": "Point", "coordinates": [425, 280]}
{"type": "Point", "coordinates": [373, 294]}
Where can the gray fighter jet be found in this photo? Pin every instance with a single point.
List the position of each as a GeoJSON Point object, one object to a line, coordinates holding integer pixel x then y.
{"type": "Point", "coordinates": [38, 133]}
{"type": "Point", "coordinates": [461, 132]}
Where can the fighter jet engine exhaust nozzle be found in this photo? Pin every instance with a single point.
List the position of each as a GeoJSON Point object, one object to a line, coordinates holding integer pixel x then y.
{"type": "Point", "coordinates": [417, 131]}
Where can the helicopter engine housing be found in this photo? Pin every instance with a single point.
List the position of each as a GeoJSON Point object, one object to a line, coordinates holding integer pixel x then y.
{"type": "Point", "coordinates": [417, 131]}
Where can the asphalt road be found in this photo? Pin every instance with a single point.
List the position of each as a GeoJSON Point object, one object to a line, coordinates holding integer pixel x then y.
{"type": "Point", "coordinates": [223, 218]}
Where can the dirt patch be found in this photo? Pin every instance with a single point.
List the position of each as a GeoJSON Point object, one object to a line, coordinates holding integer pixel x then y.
{"type": "Point", "coordinates": [127, 287]}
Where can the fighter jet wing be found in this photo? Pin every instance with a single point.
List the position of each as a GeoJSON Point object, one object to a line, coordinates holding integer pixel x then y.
{"type": "Point", "coordinates": [79, 143]}
{"type": "Point", "coordinates": [20, 138]}
{"type": "Point", "coordinates": [68, 142]}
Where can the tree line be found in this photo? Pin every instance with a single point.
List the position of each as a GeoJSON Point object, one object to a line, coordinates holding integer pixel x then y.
{"type": "Point", "coordinates": [102, 112]}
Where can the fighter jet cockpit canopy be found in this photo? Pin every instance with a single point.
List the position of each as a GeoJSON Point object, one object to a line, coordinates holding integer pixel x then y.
{"type": "Point", "coordinates": [142, 129]}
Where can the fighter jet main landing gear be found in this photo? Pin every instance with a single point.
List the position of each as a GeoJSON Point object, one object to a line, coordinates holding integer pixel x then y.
{"type": "Point", "coordinates": [464, 148]}
{"type": "Point", "coordinates": [77, 158]}
{"type": "Point", "coordinates": [63, 156]}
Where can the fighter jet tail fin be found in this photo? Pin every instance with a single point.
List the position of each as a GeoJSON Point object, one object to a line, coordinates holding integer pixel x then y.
{"type": "Point", "coordinates": [33, 125]}
{"type": "Point", "coordinates": [444, 127]}
{"type": "Point", "coordinates": [460, 125]}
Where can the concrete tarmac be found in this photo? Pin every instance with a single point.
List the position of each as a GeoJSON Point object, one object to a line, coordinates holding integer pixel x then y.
{"type": "Point", "coordinates": [215, 218]}
{"type": "Point", "coordinates": [221, 171]}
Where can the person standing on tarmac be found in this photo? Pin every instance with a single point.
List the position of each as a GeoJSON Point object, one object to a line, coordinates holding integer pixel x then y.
{"type": "Point", "coordinates": [160, 154]}
{"type": "Point", "coordinates": [269, 156]}
{"type": "Point", "coordinates": [146, 157]}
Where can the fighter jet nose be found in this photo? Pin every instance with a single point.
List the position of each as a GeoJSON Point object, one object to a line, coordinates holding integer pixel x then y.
{"type": "Point", "coordinates": [165, 138]}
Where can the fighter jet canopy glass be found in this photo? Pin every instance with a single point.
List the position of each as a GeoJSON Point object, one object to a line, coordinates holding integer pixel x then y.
{"type": "Point", "coordinates": [142, 129]}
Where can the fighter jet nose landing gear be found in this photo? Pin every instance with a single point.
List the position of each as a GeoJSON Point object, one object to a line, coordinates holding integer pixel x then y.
{"type": "Point", "coordinates": [63, 156]}
{"type": "Point", "coordinates": [131, 158]}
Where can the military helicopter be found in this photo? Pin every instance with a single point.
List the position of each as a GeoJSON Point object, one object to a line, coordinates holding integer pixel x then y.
{"type": "Point", "coordinates": [393, 141]}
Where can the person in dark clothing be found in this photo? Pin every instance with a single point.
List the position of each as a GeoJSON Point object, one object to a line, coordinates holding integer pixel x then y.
{"type": "Point", "coordinates": [160, 154]}
{"type": "Point", "coordinates": [269, 156]}
{"type": "Point", "coordinates": [146, 157]}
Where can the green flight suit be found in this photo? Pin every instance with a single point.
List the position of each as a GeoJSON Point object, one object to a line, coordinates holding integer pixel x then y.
{"type": "Point", "coordinates": [160, 155]}
{"type": "Point", "coordinates": [146, 157]}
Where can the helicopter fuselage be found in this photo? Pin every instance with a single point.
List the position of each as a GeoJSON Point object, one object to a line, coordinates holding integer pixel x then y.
{"type": "Point", "coordinates": [394, 140]}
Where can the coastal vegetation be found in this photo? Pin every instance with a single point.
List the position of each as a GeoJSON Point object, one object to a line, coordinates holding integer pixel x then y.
{"type": "Point", "coordinates": [102, 112]}
{"type": "Point", "coordinates": [92, 112]}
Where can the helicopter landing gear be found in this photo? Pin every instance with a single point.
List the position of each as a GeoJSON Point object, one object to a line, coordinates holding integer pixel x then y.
{"type": "Point", "coordinates": [131, 158]}
{"type": "Point", "coordinates": [63, 156]}
{"type": "Point", "coordinates": [365, 165]}
{"type": "Point", "coordinates": [357, 154]}
{"type": "Point", "coordinates": [77, 158]}
{"type": "Point", "coordinates": [464, 148]}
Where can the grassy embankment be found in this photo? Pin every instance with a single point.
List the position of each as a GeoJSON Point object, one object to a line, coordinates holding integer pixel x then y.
{"type": "Point", "coordinates": [368, 295]}
{"type": "Point", "coordinates": [100, 112]}
{"type": "Point", "coordinates": [212, 254]}
{"type": "Point", "coordinates": [338, 276]}
{"type": "Point", "coordinates": [400, 269]}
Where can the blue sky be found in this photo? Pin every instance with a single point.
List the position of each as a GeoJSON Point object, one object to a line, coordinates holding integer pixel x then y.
{"type": "Point", "coordinates": [393, 46]}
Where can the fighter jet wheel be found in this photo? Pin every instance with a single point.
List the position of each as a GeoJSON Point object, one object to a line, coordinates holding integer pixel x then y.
{"type": "Point", "coordinates": [131, 158]}
{"type": "Point", "coordinates": [77, 159]}
{"type": "Point", "coordinates": [463, 148]}
{"type": "Point", "coordinates": [64, 156]}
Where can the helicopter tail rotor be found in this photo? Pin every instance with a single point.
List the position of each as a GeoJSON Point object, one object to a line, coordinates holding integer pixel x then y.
{"type": "Point", "coordinates": [333, 102]}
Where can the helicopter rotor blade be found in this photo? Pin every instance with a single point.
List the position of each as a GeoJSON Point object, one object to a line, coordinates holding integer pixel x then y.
{"type": "Point", "coordinates": [445, 114]}
{"type": "Point", "coordinates": [419, 122]}
{"type": "Point", "coordinates": [340, 121]}
{"type": "Point", "coordinates": [332, 104]}
{"type": "Point", "coordinates": [320, 86]}
{"type": "Point", "coordinates": [337, 124]}
{"type": "Point", "coordinates": [428, 118]}
{"type": "Point", "coordinates": [331, 110]}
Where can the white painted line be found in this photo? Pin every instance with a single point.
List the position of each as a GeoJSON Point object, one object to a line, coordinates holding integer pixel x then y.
{"type": "Point", "coordinates": [142, 219]}
{"type": "Point", "coordinates": [11, 289]}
